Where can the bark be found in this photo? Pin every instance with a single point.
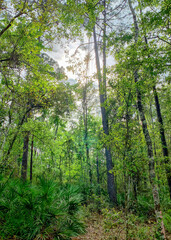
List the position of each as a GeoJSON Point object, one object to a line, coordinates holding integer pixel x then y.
{"type": "Point", "coordinates": [135, 187]}
{"type": "Point", "coordinates": [25, 157]}
{"type": "Point", "coordinates": [163, 139]}
{"type": "Point", "coordinates": [60, 171]}
{"type": "Point", "coordinates": [31, 161]}
{"type": "Point", "coordinates": [16, 134]}
{"type": "Point", "coordinates": [80, 154]}
{"type": "Point", "coordinates": [147, 137]}
{"type": "Point", "coordinates": [85, 116]}
{"type": "Point", "coordinates": [154, 142]}
{"type": "Point", "coordinates": [56, 130]}
{"type": "Point", "coordinates": [110, 176]}
{"type": "Point", "coordinates": [126, 169]}
{"type": "Point", "coordinates": [98, 174]}
{"type": "Point", "coordinates": [104, 51]}
{"type": "Point", "coordinates": [4, 60]}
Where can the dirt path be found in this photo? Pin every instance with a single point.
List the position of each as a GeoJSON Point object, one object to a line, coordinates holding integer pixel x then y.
{"type": "Point", "coordinates": [95, 231]}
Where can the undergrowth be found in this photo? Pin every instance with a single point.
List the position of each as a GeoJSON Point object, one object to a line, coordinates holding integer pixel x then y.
{"type": "Point", "coordinates": [39, 211]}
{"type": "Point", "coordinates": [139, 224]}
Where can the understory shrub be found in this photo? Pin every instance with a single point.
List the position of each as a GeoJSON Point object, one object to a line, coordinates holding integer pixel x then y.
{"type": "Point", "coordinates": [131, 225]}
{"type": "Point", "coordinates": [39, 211]}
{"type": "Point", "coordinates": [167, 220]}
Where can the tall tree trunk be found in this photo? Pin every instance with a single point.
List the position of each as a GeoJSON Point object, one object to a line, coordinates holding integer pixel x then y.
{"type": "Point", "coordinates": [8, 126]}
{"type": "Point", "coordinates": [110, 176]}
{"type": "Point", "coordinates": [98, 174]}
{"type": "Point", "coordinates": [60, 170]}
{"type": "Point", "coordinates": [147, 137]}
{"type": "Point", "coordinates": [104, 51]}
{"type": "Point", "coordinates": [163, 139]}
{"type": "Point", "coordinates": [154, 141]}
{"type": "Point", "coordinates": [85, 116]}
{"type": "Point", "coordinates": [126, 171]}
{"type": "Point", "coordinates": [25, 157]}
{"type": "Point", "coordinates": [16, 134]}
{"type": "Point", "coordinates": [31, 161]}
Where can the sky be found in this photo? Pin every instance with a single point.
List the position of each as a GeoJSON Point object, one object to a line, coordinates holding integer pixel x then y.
{"type": "Point", "coordinates": [63, 54]}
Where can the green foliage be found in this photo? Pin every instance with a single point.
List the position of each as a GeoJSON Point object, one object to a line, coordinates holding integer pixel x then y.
{"type": "Point", "coordinates": [131, 225]}
{"type": "Point", "coordinates": [167, 220]}
{"type": "Point", "coordinates": [96, 203]}
{"type": "Point", "coordinates": [39, 211]}
{"type": "Point", "coordinates": [145, 207]}
{"type": "Point", "coordinates": [67, 148]}
{"type": "Point", "coordinates": [112, 218]}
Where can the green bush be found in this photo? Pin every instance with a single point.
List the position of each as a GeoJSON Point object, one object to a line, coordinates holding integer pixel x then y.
{"type": "Point", "coordinates": [117, 221]}
{"type": "Point", "coordinates": [167, 220]}
{"type": "Point", "coordinates": [39, 211]}
{"type": "Point", "coordinates": [145, 207]}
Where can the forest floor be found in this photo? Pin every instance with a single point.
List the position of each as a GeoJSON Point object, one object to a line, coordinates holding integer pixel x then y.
{"type": "Point", "coordinates": [96, 231]}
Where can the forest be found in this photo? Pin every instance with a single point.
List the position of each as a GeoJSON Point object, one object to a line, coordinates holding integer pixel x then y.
{"type": "Point", "coordinates": [85, 136]}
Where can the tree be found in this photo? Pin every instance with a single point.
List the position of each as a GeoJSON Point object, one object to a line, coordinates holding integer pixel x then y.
{"type": "Point", "coordinates": [152, 75]}
{"type": "Point", "coordinates": [146, 134]}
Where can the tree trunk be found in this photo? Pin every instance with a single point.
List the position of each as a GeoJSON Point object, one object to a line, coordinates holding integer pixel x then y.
{"type": "Point", "coordinates": [60, 170]}
{"type": "Point", "coordinates": [134, 179]}
{"type": "Point", "coordinates": [98, 174]}
{"type": "Point", "coordinates": [126, 168]}
{"type": "Point", "coordinates": [110, 176]}
{"type": "Point", "coordinates": [163, 139]}
{"type": "Point", "coordinates": [104, 51]}
{"type": "Point", "coordinates": [31, 161]}
{"type": "Point", "coordinates": [85, 117]}
{"type": "Point", "coordinates": [154, 141]}
{"type": "Point", "coordinates": [147, 137]}
{"type": "Point", "coordinates": [25, 157]}
{"type": "Point", "coordinates": [16, 134]}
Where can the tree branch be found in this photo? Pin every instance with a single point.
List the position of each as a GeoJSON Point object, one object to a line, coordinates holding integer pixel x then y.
{"type": "Point", "coordinates": [163, 40]}
{"type": "Point", "coordinates": [10, 23]}
{"type": "Point", "coordinates": [12, 20]}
